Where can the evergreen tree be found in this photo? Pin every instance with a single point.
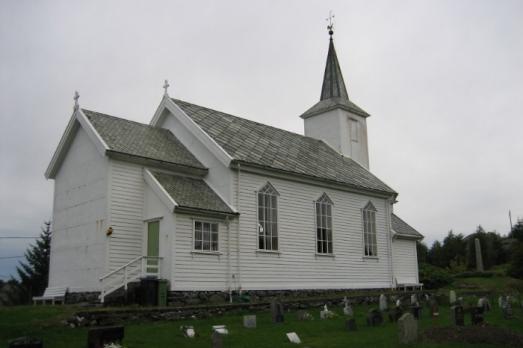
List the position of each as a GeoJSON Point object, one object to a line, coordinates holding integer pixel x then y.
{"type": "Point", "coordinates": [517, 231]}
{"type": "Point", "coordinates": [33, 274]}
{"type": "Point", "coordinates": [516, 263]}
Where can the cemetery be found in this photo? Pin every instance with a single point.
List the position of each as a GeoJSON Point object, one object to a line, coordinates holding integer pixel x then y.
{"type": "Point", "coordinates": [424, 319]}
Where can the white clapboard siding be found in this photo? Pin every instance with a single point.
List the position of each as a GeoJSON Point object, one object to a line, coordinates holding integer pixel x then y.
{"type": "Point", "coordinates": [405, 261]}
{"type": "Point", "coordinates": [198, 271]}
{"type": "Point", "coordinates": [297, 266]}
{"type": "Point", "coordinates": [78, 245]}
{"type": "Point", "coordinates": [126, 213]}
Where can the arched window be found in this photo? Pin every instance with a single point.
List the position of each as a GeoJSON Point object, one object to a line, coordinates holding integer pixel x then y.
{"type": "Point", "coordinates": [369, 230]}
{"type": "Point", "coordinates": [324, 225]}
{"type": "Point", "coordinates": [268, 218]}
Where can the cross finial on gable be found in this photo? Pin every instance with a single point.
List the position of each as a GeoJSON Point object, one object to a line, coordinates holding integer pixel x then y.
{"type": "Point", "coordinates": [165, 87]}
{"type": "Point", "coordinates": [331, 23]}
{"type": "Point", "coordinates": [76, 97]}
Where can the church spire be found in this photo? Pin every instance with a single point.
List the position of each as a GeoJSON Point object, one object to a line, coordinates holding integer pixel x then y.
{"type": "Point", "coordinates": [333, 84]}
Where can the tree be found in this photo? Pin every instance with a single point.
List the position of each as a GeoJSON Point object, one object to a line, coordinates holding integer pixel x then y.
{"type": "Point", "coordinates": [516, 263]}
{"type": "Point", "coordinates": [422, 252]}
{"type": "Point", "coordinates": [34, 273]}
{"type": "Point", "coordinates": [517, 231]}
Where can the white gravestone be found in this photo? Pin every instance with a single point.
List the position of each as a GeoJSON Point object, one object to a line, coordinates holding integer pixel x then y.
{"type": "Point", "coordinates": [293, 337]}
{"type": "Point", "coordinates": [452, 297]}
{"type": "Point", "coordinates": [383, 302]}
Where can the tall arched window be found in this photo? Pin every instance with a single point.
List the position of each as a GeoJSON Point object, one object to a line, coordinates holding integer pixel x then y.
{"type": "Point", "coordinates": [324, 225]}
{"type": "Point", "coordinates": [369, 230]}
{"type": "Point", "coordinates": [268, 218]}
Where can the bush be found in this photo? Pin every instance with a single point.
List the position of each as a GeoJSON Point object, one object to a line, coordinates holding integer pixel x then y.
{"type": "Point", "coordinates": [433, 277]}
{"type": "Point", "coordinates": [475, 275]}
{"type": "Point", "coordinates": [516, 265]}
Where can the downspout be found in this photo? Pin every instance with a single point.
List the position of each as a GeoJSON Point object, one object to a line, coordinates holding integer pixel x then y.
{"type": "Point", "coordinates": [389, 240]}
{"type": "Point", "coordinates": [238, 275]}
{"type": "Point", "coordinates": [229, 275]}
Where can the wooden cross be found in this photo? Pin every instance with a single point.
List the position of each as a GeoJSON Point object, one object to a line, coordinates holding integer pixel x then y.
{"type": "Point", "coordinates": [166, 86]}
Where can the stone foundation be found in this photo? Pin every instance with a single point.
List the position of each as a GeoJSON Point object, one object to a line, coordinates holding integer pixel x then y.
{"type": "Point", "coordinates": [82, 297]}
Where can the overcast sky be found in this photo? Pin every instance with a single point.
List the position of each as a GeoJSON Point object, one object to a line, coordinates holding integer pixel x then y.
{"type": "Point", "coordinates": [442, 80]}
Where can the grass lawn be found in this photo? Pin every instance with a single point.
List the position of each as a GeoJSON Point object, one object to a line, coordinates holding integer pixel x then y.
{"type": "Point", "coordinates": [45, 322]}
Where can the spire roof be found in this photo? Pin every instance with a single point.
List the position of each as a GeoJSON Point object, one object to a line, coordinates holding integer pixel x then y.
{"type": "Point", "coordinates": [333, 91]}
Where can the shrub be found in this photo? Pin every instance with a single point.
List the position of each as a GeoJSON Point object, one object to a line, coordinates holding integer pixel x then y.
{"type": "Point", "coordinates": [433, 277]}
{"type": "Point", "coordinates": [516, 265]}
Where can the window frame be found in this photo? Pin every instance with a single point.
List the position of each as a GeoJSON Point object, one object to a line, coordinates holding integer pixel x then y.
{"type": "Point", "coordinates": [272, 193]}
{"type": "Point", "coordinates": [373, 235]}
{"type": "Point", "coordinates": [217, 233]}
{"type": "Point", "coordinates": [324, 200]}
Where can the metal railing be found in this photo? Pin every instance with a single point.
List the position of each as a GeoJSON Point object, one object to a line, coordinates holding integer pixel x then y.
{"type": "Point", "coordinates": [140, 267]}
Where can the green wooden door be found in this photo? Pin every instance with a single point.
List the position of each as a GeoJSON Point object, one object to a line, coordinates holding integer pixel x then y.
{"type": "Point", "coordinates": [153, 245]}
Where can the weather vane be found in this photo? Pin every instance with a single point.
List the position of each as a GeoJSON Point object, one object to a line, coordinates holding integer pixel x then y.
{"type": "Point", "coordinates": [331, 23]}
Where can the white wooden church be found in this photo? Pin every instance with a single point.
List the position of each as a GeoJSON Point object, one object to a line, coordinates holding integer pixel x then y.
{"type": "Point", "coordinates": [215, 202]}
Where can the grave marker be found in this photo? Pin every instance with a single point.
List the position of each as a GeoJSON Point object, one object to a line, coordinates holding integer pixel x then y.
{"type": "Point", "coordinates": [25, 342]}
{"type": "Point", "coordinates": [293, 337]}
{"type": "Point", "coordinates": [249, 321]}
{"type": "Point", "coordinates": [452, 297]}
{"type": "Point", "coordinates": [457, 315]}
{"type": "Point", "coordinates": [479, 258]}
{"type": "Point", "coordinates": [383, 302]}
{"type": "Point", "coordinates": [303, 315]}
{"type": "Point", "coordinates": [407, 329]}
{"type": "Point", "coordinates": [98, 337]}
{"type": "Point", "coordinates": [277, 312]}
{"type": "Point", "coordinates": [476, 315]}
{"type": "Point", "coordinates": [374, 317]}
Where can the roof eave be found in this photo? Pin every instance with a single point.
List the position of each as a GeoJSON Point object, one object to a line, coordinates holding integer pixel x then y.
{"type": "Point", "coordinates": [237, 164]}
{"type": "Point", "coordinates": [206, 212]}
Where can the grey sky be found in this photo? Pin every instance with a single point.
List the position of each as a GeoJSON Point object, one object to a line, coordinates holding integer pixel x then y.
{"type": "Point", "coordinates": [443, 81]}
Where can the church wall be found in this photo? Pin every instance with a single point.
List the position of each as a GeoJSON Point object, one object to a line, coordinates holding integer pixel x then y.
{"type": "Point", "coordinates": [296, 265]}
{"type": "Point", "coordinates": [405, 261]}
{"type": "Point", "coordinates": [126, 202]}
{"type": "Point", "coordinates": [202, 271]}
{"type": "Point", "coordinates": [78, 244]}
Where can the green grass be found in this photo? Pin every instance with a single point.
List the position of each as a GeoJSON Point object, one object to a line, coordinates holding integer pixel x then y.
{"type": "Point", "coordinates": [45, 322]}
{"type": "Point", "coordinates": [499, 284]}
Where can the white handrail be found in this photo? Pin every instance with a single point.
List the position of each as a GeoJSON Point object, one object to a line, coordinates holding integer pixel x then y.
{"type": "Point", "coordinates": [129, 274]}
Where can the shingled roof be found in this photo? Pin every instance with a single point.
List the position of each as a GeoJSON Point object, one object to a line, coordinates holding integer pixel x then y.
{"type": "Point", "coordinates": [140, 140]}
{"type": "Point", "coordinates": [404, 229]}
{"type": "Point", "coordinates": [192, 193]}
{"type": "Point", "coordinates": [270, 147]}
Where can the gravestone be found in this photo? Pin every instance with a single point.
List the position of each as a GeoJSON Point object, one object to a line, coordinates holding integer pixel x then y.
{"type": "Point", "coordinates": [277, 312]}
{"type": "Point", "coordinates": [98, 337]}
{"type": "Point", "coordinates": [216, 340]}
{"type": "Point", "coordinates": [398, 302]}
{"type": "Point", "coordinates": [407, 329]}
{"type": "Point", "coordinates": [326, 314]}
{"type": "Point", "coordinates": [249, 321]}
{"type": "Point", "coordinates": [479, 258]}
{"type": "Point", "coordinates": [374, 317]}
{"type": "Point", "coordinates": [293, 337]}
{"type": "Point", "coordinates": [348, 311]}
{"type": "Point", "coordinates": [452, 297]}
{"type": "Point", "coordinates": [501, 302]}
{"type": "Point", "coordinates": [221, 329]}
{"type": "Point", "coordinates": [507, 310]}
{"type": "Point", "coordinates": [383, 303]}
{"type": "Point", "coordinates": [395, 314]}
{"type": "Point", "coordinates": [457, 315]}
{"type": "Point", "coordinates": [416, 311]}
{"type": "Point", "coordinates": [25, 342]}
{"type": "Point", "coordinates": [350, 324]}
{"type": "Point", "coordinates": [476, 315]}
{"type": "Point", "coordinates": [484, 303]}
{"type": "Point", "coordinates": [303, 315]}
{"type": "Point", "coordinates": [414, 300]}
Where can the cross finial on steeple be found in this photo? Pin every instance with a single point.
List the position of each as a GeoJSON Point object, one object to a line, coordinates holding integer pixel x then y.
{"type": "Point", "coordinates": [165, 87]}
{"type": "Point", "coordinates": [76, 97]}
{"type": "Point", "coordinates": [331, 23]}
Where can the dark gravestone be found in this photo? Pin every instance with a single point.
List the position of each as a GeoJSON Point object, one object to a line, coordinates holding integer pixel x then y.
{"type": "Point", "coordinates": [216, 340]}
{"type": "Point", "coordinates": [395, 314]}
{"type": "Point", "coordinates": [476, 315]}
{"type": "Point", "coordinates": [457, 316]}
{"type": "Point", "coordinates": [507, 311]}
{"type": "Point", "coordinates": [374, 317]}
{"type": "Point", "coordinates": [277, 312]}
{"type": "Point", "coordinates": [416, 312]}
{"type": "Point", "coordinates": [25, 342]}
{"type": "Point", "coordinates": [350, 324]}
{"type": "Point", "coordinates": [98, 337]}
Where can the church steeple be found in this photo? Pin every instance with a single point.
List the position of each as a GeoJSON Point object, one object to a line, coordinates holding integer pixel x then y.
{"type": "Point", "coordinates": [335, 119]}
{"type": "Point", "coordinates": [333, 84]}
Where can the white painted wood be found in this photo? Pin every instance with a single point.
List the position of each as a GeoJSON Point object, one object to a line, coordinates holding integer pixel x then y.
{"type": "Point", "coordinates": [159, 190]}
{"type": "Point", "coordinates": [79, 217]}
{"type": "Point", "coordinates": [405, 261]}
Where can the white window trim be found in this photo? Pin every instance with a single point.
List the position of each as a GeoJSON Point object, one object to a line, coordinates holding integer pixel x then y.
{"type": "Point", "coordinates": [257, 223]}
{"type": "Point", "coordinates": [207, 252]}
{"type": "Point", "coordinates": [368, 257]}
{"type": "Point", "coordinates": [316, 226]}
